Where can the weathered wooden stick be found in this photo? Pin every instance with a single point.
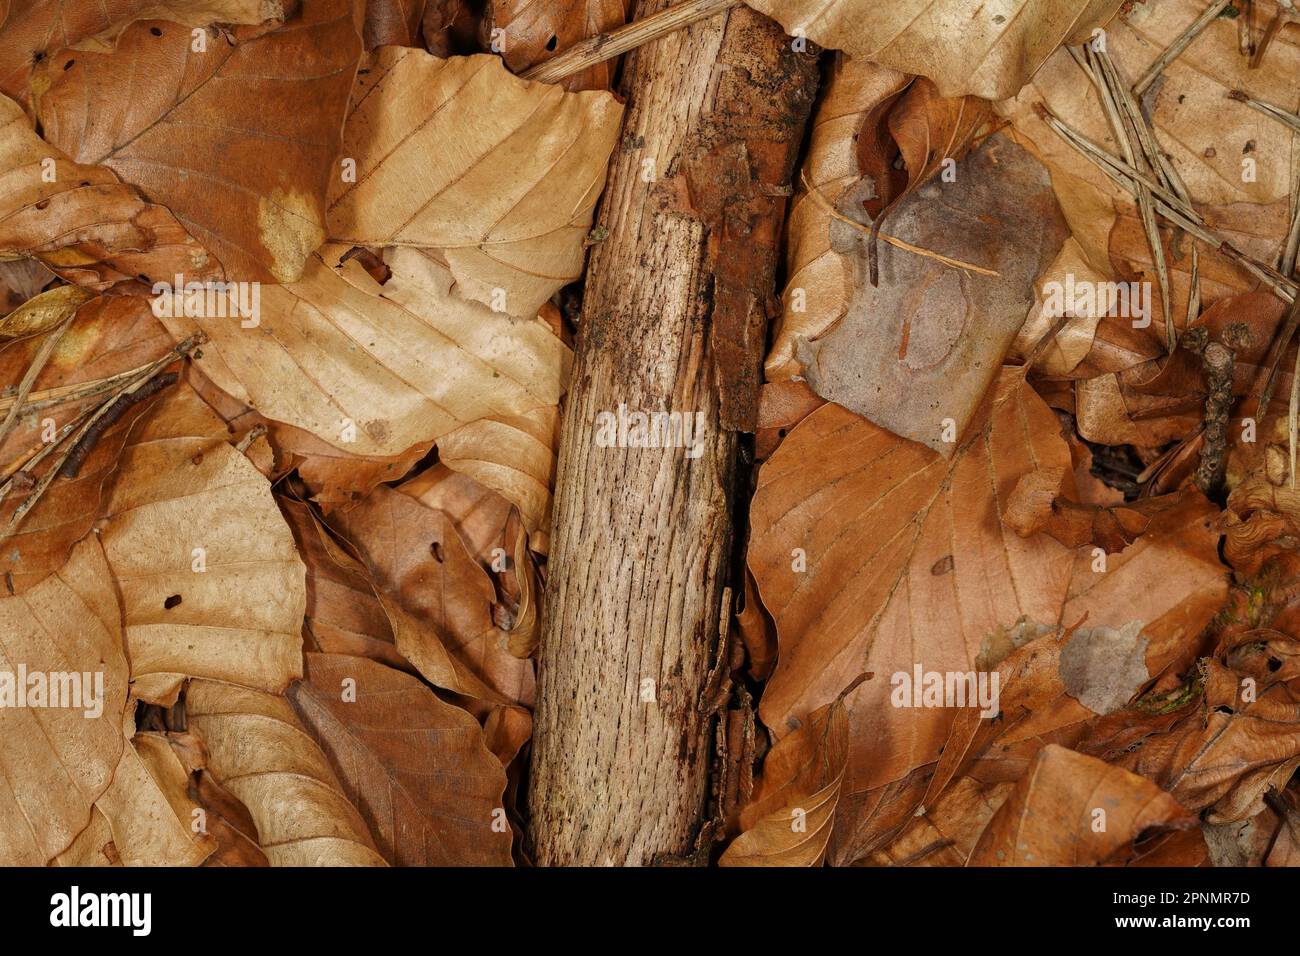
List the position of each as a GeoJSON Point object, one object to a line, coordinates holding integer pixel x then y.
{"type": "Point", "coordinates": [674, 316]}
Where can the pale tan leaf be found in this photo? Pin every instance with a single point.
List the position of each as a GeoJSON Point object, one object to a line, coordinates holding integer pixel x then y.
{"type": "Point", "coordinates": [509, 207]}
{"type": "Point", "coordinates": [185, 499]}
{"type": "Point", "coordinates": [985, 49]}
{"type": "Point", "coordinates": [57, 761]}
{"type": "Point", "coordinates": [259, 751]}
{"type": "Point", "coordinates": [375, 369]}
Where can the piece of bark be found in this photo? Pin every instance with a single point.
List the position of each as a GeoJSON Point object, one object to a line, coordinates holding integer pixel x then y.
{"type": "Point", "coordinates": [673, 319]}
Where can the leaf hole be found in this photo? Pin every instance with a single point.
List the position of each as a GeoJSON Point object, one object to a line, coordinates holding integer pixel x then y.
{"type": "Point", "coordinates": [155, 31]}
{"type": "Point", "coordinates": [552, 43]}
{"type": "Point", "coordinates": [436, 550]}
{"type": "Point", "coordinates": [172, 601]}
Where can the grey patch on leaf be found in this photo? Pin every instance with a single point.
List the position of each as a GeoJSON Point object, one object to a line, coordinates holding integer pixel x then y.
{"type": "Point", "coordinates": [926, 343]}
{"type": "Point", "coordinates": [998, 645]}
{"type": "Point", "coordinates": [1104, 667]}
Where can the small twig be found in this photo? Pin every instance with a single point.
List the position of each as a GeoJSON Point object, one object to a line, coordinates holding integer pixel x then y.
{"type": "Point", "coordinates": [1178, 46]}
{"type": "Point", "coordinates": [1173, 209]}
{"type": "Point", "coordinates": [1285, 14]}
{"type": "Point", "coordinates": [892, 240]}
{"type": "Point", "coordinates": [1217, 360]}
{"type": "Point", "coordinates": [149, 372]}
{"type": "Point", "coordinates": [1286, 117]}
{"type": "Point", "coordinates": [606, 46]}
{"type": "Point", "coordinates": [87, 442]}
{"type": "Point", "coordinates": [39, 361]}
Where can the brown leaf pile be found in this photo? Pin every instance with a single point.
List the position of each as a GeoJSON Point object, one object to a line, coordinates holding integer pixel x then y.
{"type": "Point", "coordinates": [286, 326]}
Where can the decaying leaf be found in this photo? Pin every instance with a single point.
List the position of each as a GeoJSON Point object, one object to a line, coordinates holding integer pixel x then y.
{"type": "Point", "coordinates": [259, 121]}
{"type": "Point", "coordinates": [916, 353]}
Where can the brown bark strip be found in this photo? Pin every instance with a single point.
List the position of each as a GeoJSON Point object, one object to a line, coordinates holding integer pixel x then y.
{"type": "Point", "coordinates": [679, 288]}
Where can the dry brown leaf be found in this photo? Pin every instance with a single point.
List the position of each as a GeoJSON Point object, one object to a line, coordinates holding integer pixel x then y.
{"type": "Point", "coordinates": [536, 30]}
{"type": "Point", "coordinates": [1074, 810]}
{"type": "Point", "coordinates": [58, 761]}
{"type": "Point", "coordinates": [85, 224]}
{"type": "Point", "coordinates": [789, 822]}
{"type": "Point", "coordinates": [257, 121]}
{"type": "Point", "coordinates": [416, 767]}
{"type": "Point", "coordinates": [880, 557]}
{"type": "Point", "coordinates": [259, 751]}
{"type": "Point", "coordinates": [509, 208]}
{"type": "Point", "coordinates": [376, 369]}
{"type": "Point", "coordinates": [987, 51]}
{"type": "Point", "coordinates": [343, 614]}
{"type": "Point", "coordinates": [210, 581]}
{"type": "Point", "coordinates": [421, 565]}
{"type": "Point", "coordinates": [37, 28]}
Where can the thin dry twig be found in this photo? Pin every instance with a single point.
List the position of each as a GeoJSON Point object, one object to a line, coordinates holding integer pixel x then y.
{"type": "Point", "coordinates": [1178, 46]}
{"type": "Point", "coordinates": [105, 408]}
{"type": "Point", "coordinates": [893, 240]}
{"type": "Point", "coordinates": [606, 46]}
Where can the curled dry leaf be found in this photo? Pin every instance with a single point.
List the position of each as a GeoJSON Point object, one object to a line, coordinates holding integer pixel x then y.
{"type": "Point", "coordinates": [515, 456]}
{"type": "Point", "coordinates": [790, 819]}
{"type": "Point", "coordinates": [259, 120]}
{"type": "Point", "coordinates": [417, 768]}
{"type": "Point", "coordinates": [376, 369]}
{"type": "Point", "coordinates": [37, 28]}
{"type": "Point", "coordinates": [80, 220]}
{"type": "Point", "coordinates": [989, 52]}
{"type": "Point", "coordinates": [1074, 810]}
{"type": "Point", "coordinates": [509, 208]}
{"type": "Point", "coordinates": [210, 580]}
{"type": "Point", "coordinates": [259, 751]}
{"type": "Point", "coordinates": [421, 565]}
{"type": "Point", "coordinates": [58, 761]}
